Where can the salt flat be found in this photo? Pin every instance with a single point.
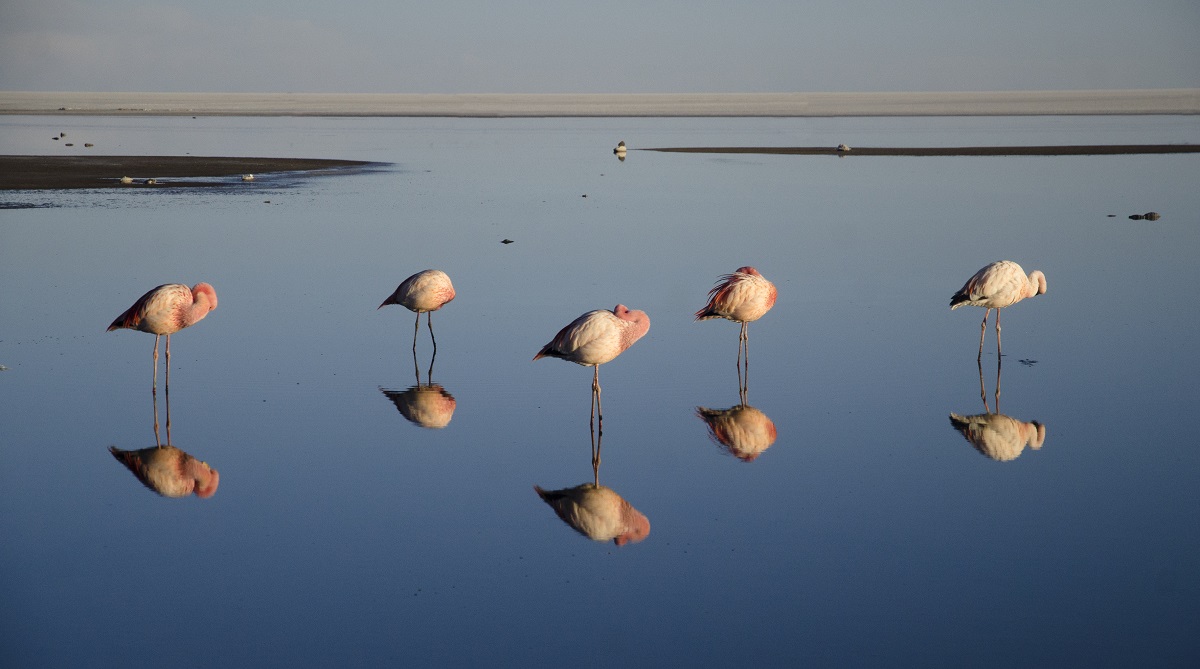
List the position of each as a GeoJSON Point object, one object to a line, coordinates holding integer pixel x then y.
{"type": "Point", "coordinates": [998, 103]}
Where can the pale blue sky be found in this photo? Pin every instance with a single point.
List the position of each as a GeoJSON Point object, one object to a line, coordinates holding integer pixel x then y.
{"type": "Point", "coordinates": [569, 46]}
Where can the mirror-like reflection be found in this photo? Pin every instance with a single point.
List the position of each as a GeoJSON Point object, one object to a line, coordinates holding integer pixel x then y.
{"type": "Point", "coordinates": [742, 431]}
{"type": "Point", "coordinates": [165, 469]}
{"type": "Point", "coordinates": [426, 404]}
{"type": "Point", "coordinates": [999, 437]}
{"type": "Point", "coordinates": [169, 471]}
{"type": "Point", "coordinates": [596, 511]}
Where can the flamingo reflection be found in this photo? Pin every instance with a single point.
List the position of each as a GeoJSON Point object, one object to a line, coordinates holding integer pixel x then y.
{"type": "Point", "coordinates": [169, 471]}
{"type": "Point", "coordinates": [742, 430]}
{"type": "Point", "coordinates": [596, 511]}
{"type": "Point", "coordinates": [427, 404]}
{"type": "Point", "coordinates": [999, 437]}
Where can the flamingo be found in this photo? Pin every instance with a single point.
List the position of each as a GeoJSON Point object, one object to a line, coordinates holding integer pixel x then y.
{"type": "Point", "coordinates": [595, 338]}
{"type": "Point", "coordinates": [742, 430]}
{"type": "Point", "coordinates": [424, 292]}
{"type": "Point", "coordinates": [998, 285]}
{"type": "Point", "coordinates": [169, 471]}
{"type": "Point", "coordinates": [598, 513]}
{"type": "Point", "coordinates": [999, 437]}
{"type": "Point", "coordinates": [166, 310]}
{"type": "Point", "coordinates": [741, 297]}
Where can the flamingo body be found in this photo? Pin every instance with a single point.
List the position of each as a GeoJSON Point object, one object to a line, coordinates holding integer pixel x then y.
{"type": "Point", "coordinates": [429, 406]}
{"type": "Point", "coordinates": [597, 336]}
{"type": "Point", "coordinates": [425, 291]}
{"type": "Point", "coordinates": [168, 309]}
{"type": "Point", "coordinates": [742, 297]}
{"type": "Point", "coordinates": [598, 513]}
{"type": "Point", "coordinates": [998, 285]}
{"type": "Point", "coordinates": [169, 471]}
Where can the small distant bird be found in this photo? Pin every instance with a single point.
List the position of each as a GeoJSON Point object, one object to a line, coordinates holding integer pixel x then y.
{"type": "Point", "coordinates": [126, 180]}
{"type": "Point", "coordinates": [169, 471]}
{"type": "Point", "coordinates": [506, 241]}
{"type": "Point", "coordinates": [843, 148]}
{"type": "Point", "coordinates": [598, 513]}
{"type": "Point", "coordinates": [998, 285]}
{"type": "Point", "coordinates": [150, 182]}
{"type": "Point", "coordinates": [166, 310]}
{"type": "Point", "coordinates": [88, 144]}
{"type": "Point", "coordinates": [247, 177]}
{"type": "Point", "coordinates": [620, 148]}
{"type": "Point", "coordinates": [741, 297]}
{"type": "Point", "coordinates": [596, 338]}
{"type": "Point", "coordinates": [424, 292]}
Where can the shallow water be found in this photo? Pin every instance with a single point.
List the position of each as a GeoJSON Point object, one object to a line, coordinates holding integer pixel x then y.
{"type": "Point", "coordinates": [870, 531]}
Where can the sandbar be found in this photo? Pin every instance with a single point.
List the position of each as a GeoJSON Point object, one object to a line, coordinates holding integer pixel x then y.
{"type": "Point", "coordinates": [983, 103]}
{"type": "Point", "coordinates": [57, 172]}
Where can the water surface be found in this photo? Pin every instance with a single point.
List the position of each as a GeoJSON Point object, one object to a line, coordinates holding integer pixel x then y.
{"type": "Point", "coordinates": [869, 532]}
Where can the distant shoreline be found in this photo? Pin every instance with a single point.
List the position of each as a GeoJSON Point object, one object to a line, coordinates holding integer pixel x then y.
{"type": "Point", "coordinates": [997, 103]}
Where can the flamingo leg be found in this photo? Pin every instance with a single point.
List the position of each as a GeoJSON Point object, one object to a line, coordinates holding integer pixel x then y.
{"type": "Point", "coordinates": [982, 387]}
{"type": "Point", "coordinates": [997, 382]}
{"type": "Point", "coordinates": [154, 377]}
{"type": "Point", "coordinates": [596, 395]}
{"type": "Point", "coordinates": [983, 330]}
{"type": "Point", "coordinates": [997, 335]}
{"type": "Point", "coordinates": [157, 439]}
{"type": "Point", "coordinates": [595, 458]}
{"type": "Point", "coordinates": [429, 322]}
{"type": "Point", "coordinates": [416, 329]}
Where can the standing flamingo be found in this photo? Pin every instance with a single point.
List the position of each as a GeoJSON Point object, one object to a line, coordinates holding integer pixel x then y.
{"type": "Point", "coordinates": [741, 297]}
{"type": "Point", "coordinates": [998, 285]}
{"type": "Point", "coordinates": [595, 338]}
{"type": "Point", "coordinates": [424, 292]}
{"type": "Point", "coordinates": [166, 310]}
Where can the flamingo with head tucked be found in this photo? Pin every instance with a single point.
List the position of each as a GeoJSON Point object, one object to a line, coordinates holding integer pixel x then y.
{"type": "Point", "coordinates": [424, 292]}
{"type": "Point", "coordinates": [596, 338]}
{"type": "Point", "coordinates": [742, 297]}
{"type": "Point", "coordinates": [998, 285]}
{"type": "Point", "coordinates": [166, 310]}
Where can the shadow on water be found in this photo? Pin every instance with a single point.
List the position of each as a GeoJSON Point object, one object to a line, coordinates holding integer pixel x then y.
{"type": "Point", "coordinates": [999, 437]}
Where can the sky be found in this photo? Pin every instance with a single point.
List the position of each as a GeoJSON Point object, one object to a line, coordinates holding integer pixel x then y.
{"type": "Point", "coordinates": [594, 46]}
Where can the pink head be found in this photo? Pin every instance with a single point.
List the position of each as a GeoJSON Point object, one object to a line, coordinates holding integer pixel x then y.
{"type": "Point", "coordinates": [207, 479]}
{"type": "Point", "coordinates": [747, 270]}
{"type": "Point", "coordinates": [639, 324]}
{"type": "Point", "coordinates": [208, 292]}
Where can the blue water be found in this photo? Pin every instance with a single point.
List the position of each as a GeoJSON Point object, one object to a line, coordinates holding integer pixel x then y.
{"type": "Point", "coordinates": [869, 532]}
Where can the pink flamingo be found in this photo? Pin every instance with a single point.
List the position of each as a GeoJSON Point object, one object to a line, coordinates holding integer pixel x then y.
{"type": "Point", "coordinates": [998, 285]}
{"type": "Point", "coordinates": [595, 338]}
{"type": "Point", "coordinates": [166, 310]}
{"type": "Point", "coordinates": [169, 471]}
{"type": "Point", "coordinates": [598, 513]}
{"type": "Point", "coordinates": [741, 297]}
{"type": "Point", "coordinates": [424, 292]}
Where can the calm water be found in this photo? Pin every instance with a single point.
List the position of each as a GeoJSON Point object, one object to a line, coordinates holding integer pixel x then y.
{"type": "Point", "coordinates": [870, 532]}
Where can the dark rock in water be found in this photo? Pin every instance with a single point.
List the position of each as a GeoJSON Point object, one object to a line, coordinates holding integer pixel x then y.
{"type": "Point", "coordinates": [1112, 215]}
{"type": "Point", "coordinates": [1136, 217]}
{"type": "Point", "coordinates": [1152, 216]}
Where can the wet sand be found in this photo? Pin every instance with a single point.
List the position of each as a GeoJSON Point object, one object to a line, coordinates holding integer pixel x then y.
{"type": "Point", "coordinates": [995, 103]}
{"type": "Point", "coordinates": [55, 172]}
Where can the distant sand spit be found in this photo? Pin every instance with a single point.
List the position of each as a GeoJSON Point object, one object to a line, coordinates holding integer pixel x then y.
{"type": "Point", "coordinates": [1001, 103]}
